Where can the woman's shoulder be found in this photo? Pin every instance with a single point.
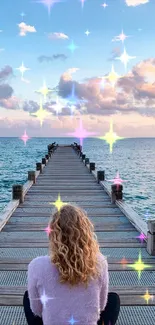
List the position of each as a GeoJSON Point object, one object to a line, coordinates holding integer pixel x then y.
{"type": "Point", "coordinates": [39, 261]}
{"type": "Point", "coordinates": [102, 260]}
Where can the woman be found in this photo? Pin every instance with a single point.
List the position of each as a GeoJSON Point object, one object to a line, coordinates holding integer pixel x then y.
{"type": "Point", "coordinates": [71, 284]}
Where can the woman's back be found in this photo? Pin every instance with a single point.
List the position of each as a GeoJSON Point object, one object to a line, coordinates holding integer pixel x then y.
{"type": "Point", "coordinates": [60, 304]}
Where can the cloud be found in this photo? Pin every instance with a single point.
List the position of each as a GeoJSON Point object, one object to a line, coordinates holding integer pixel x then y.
{"type": "Point", "coordinates": [135, 3]}
{"type": "Point", "coordinates": [24, 29]}
{"type": "Point", "coordinates": [45, 58]}
{"type": "Point", "coordinates": [116, 52]}
{"type": "Point", "coordinates": [5, 73]}
{"type": "Point", "coordinates": [134, 92]}
{"type": "Point", "coordinates": [67, 75]}
{"type": "Point", "coordinates": [30, 106]}
{"type": "Point", "coordinates": [6, 91]}
{"type": "Point", "coordinates": [54, 36]}
{"type": "Point", "coordinates": [10, 103]}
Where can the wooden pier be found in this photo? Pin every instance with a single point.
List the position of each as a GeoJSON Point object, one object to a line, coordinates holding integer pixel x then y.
{"type": "Point", "coordinates": [68, 172]}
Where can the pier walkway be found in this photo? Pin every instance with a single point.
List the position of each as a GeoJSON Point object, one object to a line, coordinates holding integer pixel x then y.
{"type": "Point", "coordinates": [23, 238]}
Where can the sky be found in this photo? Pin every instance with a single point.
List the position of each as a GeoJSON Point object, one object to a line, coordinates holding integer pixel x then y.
{"type": "Point", "coordinates": [86, 61]}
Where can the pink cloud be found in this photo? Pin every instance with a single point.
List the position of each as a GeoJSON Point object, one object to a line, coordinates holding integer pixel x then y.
{"type": "Point", "coordinates": [24, 29]}
{"type": "Point", "coordinates": [135, 3]}
{"type": "Point", "coordinates": [54, 36]}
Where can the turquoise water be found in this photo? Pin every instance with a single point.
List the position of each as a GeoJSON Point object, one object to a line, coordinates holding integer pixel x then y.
{"type": "Point", "coordinates": [133, 158]}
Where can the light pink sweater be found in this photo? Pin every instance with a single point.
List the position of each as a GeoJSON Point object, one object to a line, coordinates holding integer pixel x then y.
{"type": "Point", "coordinates": [58, 304]}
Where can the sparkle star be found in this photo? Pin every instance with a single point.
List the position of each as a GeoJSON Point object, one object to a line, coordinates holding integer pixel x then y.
{"type": "Point", "coordinates": [147, 296]}
{"type": "Point", "coordinates": [111, 137]}
{"type": "Point", "coordinates": [81, 133]}
{"type": "Point", "coordinates": [117, 180]}
{"type": "Point", "coordinates": [48, 3]}
{"type": "Point", "coordinates": [25, 137]}
{"type": "Point", "coordinates": [73, 100]}
{"type": "Point", "coordinates": [44, 90]}
{"type": "Point", "coordinates": [142, 237]}
{"type": "Point", "coordinates": [104, 5]}
{"type": "Point", "coordinates": [41, 113]}
{"type": "Point", "coordinates": [72, 47]}
{"type": "Point", "coordinates": [72, 321]}
{"type": "Point", "coordinates": [87, 32]}
{"type": "Point", "coordinates": [48, 230]}
{"type": "Point", "coordinates": [22, 69]}
{"type": "Point", "coordinates": [58, 106]}
{"type": "Point", "coordinates": [44, 299]}
{"type": "Point", "coordinates": [139, 266]}
{"type": "Point", "coordinates": [58, 203]}
{"type": "Point", "coordinates": [125, 58]}
{"type": "Point", "coordinates": [82, 3]}
{"type": "Point", "coordinates": [121, 37]}
{"type": "Point", "coordinates": [22, 15]}
{"type": "Point", "coordinates": [112, 77]}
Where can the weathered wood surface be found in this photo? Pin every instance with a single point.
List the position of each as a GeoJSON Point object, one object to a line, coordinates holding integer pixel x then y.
{"type": "Point", "coordinates": [24, 237]}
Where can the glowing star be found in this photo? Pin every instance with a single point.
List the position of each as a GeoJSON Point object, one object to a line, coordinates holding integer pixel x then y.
{"type": "Point", "coordinates": [139, 266]}
{"type": "Point", "coordinates": [72, 321]}
{"type": "Point", "coordinates": [73, 99]}
{"type": "Point", "coordinates": [124, 262]}
{"type": "Point", "coordinates": [117, 180]}
{"type": "Point", "coordinates": [48, 3]}
{"type": "Point", "coordinates": [25, 137]}
{"type": "Point", "coordinates": [87, 32]}
{"type": "Point", "coordinates": [58, 203]}
{"type": "Point", "coordinates": [22, 69]}
{"type": "Point", "coordinates": [81, 133]}
{"type": "Point", "coordinates": [121, 37]}
{"type": "Point", "coordinates": [82, 3]}
{"type": "Point", "coordinates": [41, 113]}
{"type": "Point", "coordinates": [58, 106]}
{"type": "Point", "coordinates": [104, 5]}
{"type": "Point", "coordinates": [112, 77]}
{"type": "Point", "coordinates": [72, 47]}
{"type": "Point", "coordinates": [146, 217]}
{"type": "Point", "coordinates": [125, 58]}
{"type": "Point", "coordinates": [102, 82]}
{"type": "Point", "coordinates": [44, 90]}
{"type": "Point", "coordinates": [142, 237]}
{"type": "Point", "coordinates": [111, 137]}
{"type": "Point", "coordinates": [48, 230]}
{"type": "Point", "coordinates": [44, 299]}
{"type": "Point", "coordinates": [22, 15]}
{"type": "Point", "coordinates": [147, 296]}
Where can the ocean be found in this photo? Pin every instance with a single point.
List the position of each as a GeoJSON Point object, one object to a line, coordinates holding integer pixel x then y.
{"type": "Point", "coordinates": [134, 159]}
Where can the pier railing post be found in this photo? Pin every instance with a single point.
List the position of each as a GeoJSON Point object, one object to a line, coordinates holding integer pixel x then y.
{"type": "Point", "coordinates": [32, 176]}
{"type": "Point", "coordinates": [100, 175]}
{"type": "Point", "coordinates": [44, 161]}
{"type": "Point", "coordinates": [151, 237]}
{"type": "Point", "coordinates": [39, 167]}
{"type": "Point", "coordinates": [86, 161]}
{"type": "Point", "coordinates": [91, 166]}
{"type": "Point", "coordinates": [83, 157]}
{"type": "Point", "coordinates": [116, 192]}
{"type": "Point", "coordinates": [18, 193]}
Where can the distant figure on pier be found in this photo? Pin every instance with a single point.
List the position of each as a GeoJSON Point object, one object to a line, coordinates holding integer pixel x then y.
{"type": "Point", "coordinates": [70, 285]}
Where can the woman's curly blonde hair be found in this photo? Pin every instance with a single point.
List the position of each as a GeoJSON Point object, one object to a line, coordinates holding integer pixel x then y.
{"type": "Point", "coordinates": [73, 246]}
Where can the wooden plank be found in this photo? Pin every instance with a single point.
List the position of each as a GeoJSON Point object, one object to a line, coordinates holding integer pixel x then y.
{"type": "Point", "coordinates": [121, 290]}
{"type": "Point", "coordinates": [46, 244]}
{"type": "Point", "coordinates": [40, 227]}
{"type": "Point", "coordinates": [131, 300]}
{"type": "Point", "coordinates": [11, 260]}
{"type": "Point", "coordinates": [111, 267]}
{"type": "Point", "coordinates": [48, 214]}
